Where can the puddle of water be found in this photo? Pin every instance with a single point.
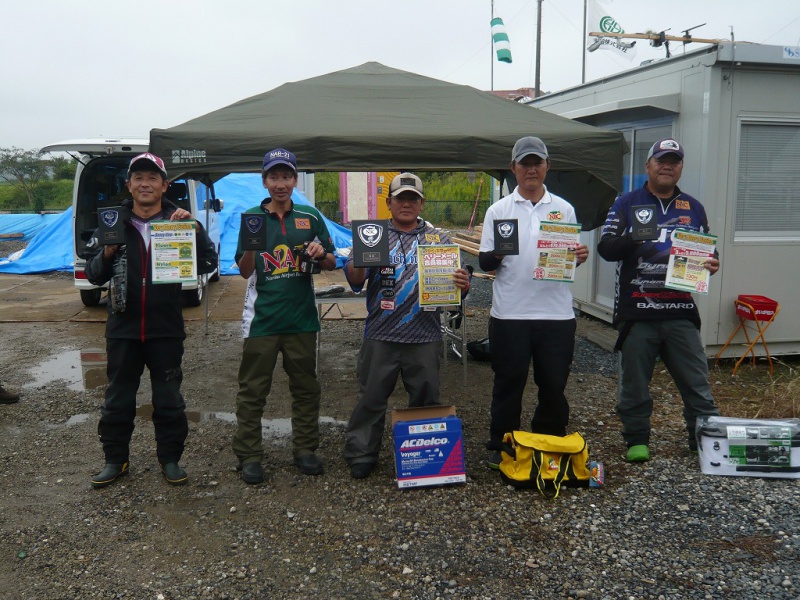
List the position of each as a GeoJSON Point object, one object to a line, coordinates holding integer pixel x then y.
{"type": "Point", "coordinates": [77, 419]}
{"type": "Point", "coordinates": [81, 369]}
{"type": "Point", "coordinates": [272, 428]}
{"type": "Point", "coordinates": [269, 427]}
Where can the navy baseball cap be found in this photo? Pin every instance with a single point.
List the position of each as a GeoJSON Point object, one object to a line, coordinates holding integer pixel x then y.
{"type": "Point", "coordinates": [666, 146]}
{"type": "Point", "coordinates": [279, 156]}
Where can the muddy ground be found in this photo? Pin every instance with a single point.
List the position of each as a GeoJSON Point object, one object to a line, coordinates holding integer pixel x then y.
{"type": "Point", "coordinates": [328, 536]}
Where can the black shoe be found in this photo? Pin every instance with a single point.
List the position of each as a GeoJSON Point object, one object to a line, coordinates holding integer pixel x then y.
{"type": "Point", "coordinates": [7, 397]}
{"type": "Point", "coordinates": [361, 470]}
{"type": "Point", "coordinates": [110, 473]}
{"type": "Point", "coordinates": [174, 474]}
{"type": "Point", "coordinates": [252, 473]}
{"type": "Point", "coordinates": [493, 462]}
{"type": "Point", "coordinates": [309, 464]}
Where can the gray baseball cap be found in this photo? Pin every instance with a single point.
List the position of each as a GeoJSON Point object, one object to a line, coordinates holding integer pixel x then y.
{"type": "Point", "coordinates": [406, 182]}
{"type": "Point", "coordinates": [528, 145]}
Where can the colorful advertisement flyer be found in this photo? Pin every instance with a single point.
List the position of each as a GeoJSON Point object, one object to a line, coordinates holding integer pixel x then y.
{"type": "Point", "coordinates": [556, 259]}
{"type": "Point", "coordinates": [173, 250]}
{"type": "Point", "coordinates": [690, 250]}
{"type": "Point", "coordinates": [436, 265]}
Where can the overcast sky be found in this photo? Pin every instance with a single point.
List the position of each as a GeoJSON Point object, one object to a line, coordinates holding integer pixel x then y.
{"type": "Point", "coordinates": [88, 68]}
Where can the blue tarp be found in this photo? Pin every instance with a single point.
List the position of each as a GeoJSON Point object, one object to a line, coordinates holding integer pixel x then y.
{"type": "Point", "coordinates": [51, 248]}
{"type": "Point", "coordinates": [28, 225]}
{"type": "Point", "coordinates": [241, 191]}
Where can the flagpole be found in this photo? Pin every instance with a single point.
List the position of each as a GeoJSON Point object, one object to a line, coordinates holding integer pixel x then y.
{"type": "Point", "coordinates": [583, 45]}
{"type": "Point", "coordinates": [537, 91]}
{"type": "Point", "coordinates": [491, 51]}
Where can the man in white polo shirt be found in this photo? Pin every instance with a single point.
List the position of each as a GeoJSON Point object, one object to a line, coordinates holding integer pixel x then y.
{"type": "Point", "coordinates": [531, 320]}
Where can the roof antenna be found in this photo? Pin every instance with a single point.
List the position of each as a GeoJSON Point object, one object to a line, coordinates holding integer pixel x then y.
{"type": "Point", "coordinates": [661, 41]}
{"type": "Point", "coordinates": [687, 37]}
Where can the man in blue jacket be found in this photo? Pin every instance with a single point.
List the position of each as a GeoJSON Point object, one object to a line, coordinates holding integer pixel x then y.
{"type": "Point", "coordinates": [653, 320]}
{"type": "Point", "coordinates": [144, 326]}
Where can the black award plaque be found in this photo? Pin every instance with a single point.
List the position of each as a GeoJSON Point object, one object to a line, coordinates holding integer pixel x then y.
{"type": "Point", "coordinates": [253, 232]}
{"type": "Point", "coordinates": [370, 244]}
{"type": "Point", "coordinates": [111, 229]}
{"type": "Point", "coordinates": [506, 237]}
{"type": "Point", "coordinates": [644, 225]}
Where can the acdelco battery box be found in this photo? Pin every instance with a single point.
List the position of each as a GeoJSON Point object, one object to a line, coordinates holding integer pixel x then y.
{"type": "Point", "coordinates": [428, 446]}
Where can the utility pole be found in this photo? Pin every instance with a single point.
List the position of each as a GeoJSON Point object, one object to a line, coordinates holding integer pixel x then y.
{"type": "Point", "coordinates": [491, 51]}
{"type": "Point", "coordinates": [537, 89]}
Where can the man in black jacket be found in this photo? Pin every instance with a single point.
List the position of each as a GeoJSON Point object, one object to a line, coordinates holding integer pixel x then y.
{"type": "Point", "coordinates": [144, 327]}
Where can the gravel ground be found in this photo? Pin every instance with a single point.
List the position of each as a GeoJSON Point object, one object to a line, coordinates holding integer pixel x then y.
{"type": "Point", "coordinates": [660, 530]}
{"type": "Point", "coordinates": [8, 247]}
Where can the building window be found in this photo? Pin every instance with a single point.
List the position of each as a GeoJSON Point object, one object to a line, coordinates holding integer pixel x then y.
{"type": "Point", "coordinates": [767, 182]}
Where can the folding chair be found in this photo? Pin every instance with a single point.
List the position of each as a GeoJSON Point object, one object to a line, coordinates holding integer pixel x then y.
{"type": "Point", "coordinates": [454, 332]}
{"type": "Point", "coordinates": [759, 310]}
{"type": "Point", "coordinates": [453, 320]}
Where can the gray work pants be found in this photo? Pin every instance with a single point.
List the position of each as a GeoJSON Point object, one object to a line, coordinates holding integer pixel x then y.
{"type": "Point", "coordinates": [678, 344]}
{"type": "Point", "coordinates": [379, 364]}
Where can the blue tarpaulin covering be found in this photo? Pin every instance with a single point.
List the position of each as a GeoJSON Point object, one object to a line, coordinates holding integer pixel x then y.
{"type": "Point", "coordinates": [28, 225]}
{"type": "Point", "coordinates": [241, 191]}
{"type": "Point", "coordinates": [51, 248]}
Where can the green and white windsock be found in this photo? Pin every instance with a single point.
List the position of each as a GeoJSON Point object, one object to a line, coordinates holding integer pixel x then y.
{"type": "Point", "coordinates": [500, 40]}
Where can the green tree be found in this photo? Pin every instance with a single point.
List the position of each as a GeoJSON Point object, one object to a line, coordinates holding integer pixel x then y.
{"type": "Point", "coordinates": [25, 171]}
{"type": "Point", "coordinates": [455, 186]}
{"type": "Point", "coordinates": [63, 168]}
{"type": "Point", "coordinates": [326, 187]}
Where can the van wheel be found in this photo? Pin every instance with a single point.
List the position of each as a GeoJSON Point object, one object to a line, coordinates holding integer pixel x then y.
{"type": "Point", "coordinates": [193, 297]}
{"type": "Point", "coordinates": [91, 297]}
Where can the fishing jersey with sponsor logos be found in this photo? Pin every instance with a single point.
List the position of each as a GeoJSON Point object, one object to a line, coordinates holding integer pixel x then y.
{"type": "Point", "coordinates": [279, 298]}
{"type": "Point", "coordinates": [393, 310]}
{"type": "Point", "coordinates": [642, 268]}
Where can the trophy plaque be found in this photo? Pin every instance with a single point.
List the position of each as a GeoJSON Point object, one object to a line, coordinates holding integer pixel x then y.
{"type": "Point", "coordinates": [111, 229]}
{"type": "Point", "coordinates": [370, 244]}
{"type": "Point", "coordinates": [644, 225]}
{"type": "Point", "coordinates": [506, 237]}
{"type": "Point", "coordinates": [253, 232]}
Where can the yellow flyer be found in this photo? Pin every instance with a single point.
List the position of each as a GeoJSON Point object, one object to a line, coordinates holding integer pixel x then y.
{"type": "Point", "coordinates": [686, 269]}
{"type": "Point", "coordinates": [436, 265]}
{"type": "Point", "coordinates": [555, 259]}
{"type": "Point", "coordinates": [173, 251]}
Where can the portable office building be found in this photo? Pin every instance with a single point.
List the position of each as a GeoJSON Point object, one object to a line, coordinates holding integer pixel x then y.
{"type": "Point", "coordinates": [736, 109]}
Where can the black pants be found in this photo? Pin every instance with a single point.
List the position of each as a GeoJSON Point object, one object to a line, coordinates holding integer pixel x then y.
{"type": "Point", "coordinates": [126, 362]}
{"type": "Point", "coordinates": [514, 344]}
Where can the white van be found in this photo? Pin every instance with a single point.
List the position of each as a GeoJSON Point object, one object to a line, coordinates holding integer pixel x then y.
{"type": "Point", "coordinates": [100, 183]}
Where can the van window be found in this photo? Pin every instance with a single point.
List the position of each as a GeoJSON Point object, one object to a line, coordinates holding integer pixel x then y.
{"type": "Point", "coordinates": [102, 185]}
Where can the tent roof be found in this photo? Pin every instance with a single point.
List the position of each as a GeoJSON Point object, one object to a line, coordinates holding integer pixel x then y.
{"type": "Point", "coordinates": [375, 118]}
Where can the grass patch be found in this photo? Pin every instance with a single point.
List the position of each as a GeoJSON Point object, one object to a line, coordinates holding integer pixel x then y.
{"type": "Point", "coordinates": [753, 394]}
